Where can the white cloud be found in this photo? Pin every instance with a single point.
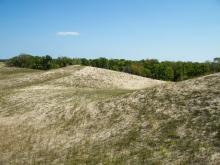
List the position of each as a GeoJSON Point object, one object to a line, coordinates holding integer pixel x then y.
{"type": "Point", "coordinates": [68, 33]}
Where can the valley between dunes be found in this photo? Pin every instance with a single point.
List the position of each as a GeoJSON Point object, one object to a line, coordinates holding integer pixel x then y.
{"type": "Point", "coordinates": [85, 115]}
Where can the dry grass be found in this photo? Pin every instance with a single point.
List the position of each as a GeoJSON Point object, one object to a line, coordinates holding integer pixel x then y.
{"type": "Point", "coordinates": [85, 115]}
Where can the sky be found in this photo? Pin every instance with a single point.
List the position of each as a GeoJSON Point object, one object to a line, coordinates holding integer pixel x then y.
{"type": "Point", "coordinates": [186, 30]}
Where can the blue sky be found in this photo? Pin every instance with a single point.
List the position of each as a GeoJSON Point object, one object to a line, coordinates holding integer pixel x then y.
{"type": "Point", "coordinates": [132, 29]}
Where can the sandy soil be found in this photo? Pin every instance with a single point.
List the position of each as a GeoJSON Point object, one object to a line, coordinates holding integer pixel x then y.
{"type": "Point", "coordinates": [87, 115]}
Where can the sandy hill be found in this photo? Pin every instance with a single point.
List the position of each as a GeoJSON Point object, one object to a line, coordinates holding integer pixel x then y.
{"type": "Point", "coordinates": [85, 115]}
{"type": "Point", "coordinates": [74, 76]}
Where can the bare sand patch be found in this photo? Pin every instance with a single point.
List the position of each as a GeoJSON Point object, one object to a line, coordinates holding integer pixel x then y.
{"type": "Point", "coordinates": [92, 77]}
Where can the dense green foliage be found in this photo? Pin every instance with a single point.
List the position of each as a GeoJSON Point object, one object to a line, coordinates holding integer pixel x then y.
{"type": "Point", "coordinates": [3, 60]}
{"type": "Point", "coordinates": [166, 70]}
{"type": "Point", "coordinates": [42, 63]}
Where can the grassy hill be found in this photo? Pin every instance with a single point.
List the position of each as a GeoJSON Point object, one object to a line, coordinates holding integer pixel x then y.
{"type": "Point", "coordinates": [86, 115]}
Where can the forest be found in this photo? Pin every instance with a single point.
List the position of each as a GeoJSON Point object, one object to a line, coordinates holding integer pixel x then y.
{"type": "Point", "coordinates": [151, 68]}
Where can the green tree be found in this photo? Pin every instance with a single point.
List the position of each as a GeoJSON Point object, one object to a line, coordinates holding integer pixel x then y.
{"type": "Point", "coordinates": [46, 62]}
{"type": "Point", "coordinates": [169, 73]}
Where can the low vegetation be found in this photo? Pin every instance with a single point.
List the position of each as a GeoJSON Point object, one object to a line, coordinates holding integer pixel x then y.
{"type": "Point", "coordinates": [151, 68]}
{"type": "Point", "coordinates": [86, 115]}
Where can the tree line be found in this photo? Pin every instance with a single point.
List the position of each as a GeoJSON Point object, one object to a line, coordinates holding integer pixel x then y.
{"type": "Point", "coordinates": [151, 68]}
{"type": "Point", "coordinates": [3, 60]}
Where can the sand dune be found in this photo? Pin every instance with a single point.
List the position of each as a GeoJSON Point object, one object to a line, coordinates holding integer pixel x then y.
{"type": "Point", "coordinates": [86, 115]}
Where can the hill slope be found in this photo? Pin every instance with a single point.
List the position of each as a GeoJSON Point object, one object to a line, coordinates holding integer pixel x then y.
{"type": "Point", "coordinates": [85, 115]}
